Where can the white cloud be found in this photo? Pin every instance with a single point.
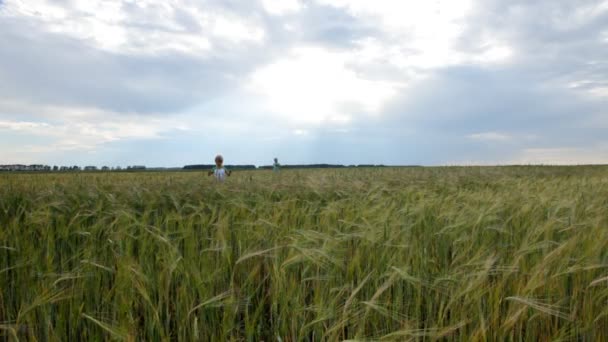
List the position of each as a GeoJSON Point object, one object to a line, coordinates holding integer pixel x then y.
{"type": "Point", "coordinates": [23, 126]}
{"type": "Point", "coordinates": [315, 85]}
{"type": "Point", "coordinates": [580, 15]}
{"type": "Point", "coordinates": [599, 91]}
{"type": "Point", "coordinates": [236, 30]}
{"type": "Point", "coordinates": [280, 7]}
{"type": "Point", "coordinates": [490, 136]}
{"type": "Point", "coordinates": [86, 135]}
{"type": "Point", "coordinates": [593, 89]}
{"type": "Point", "coordinates": [418, 37]}
{"type": "Point", "coordinates": [494, 53]}
{"type": "Point", "coordinates": [418, 34]}
{"type": "Point", "coordinates": [139, 26]}
{"type": "Point", "coordinates": [301, 132]}
{"type": "Point", "coordinates": [564, 156]}
{"type": "Point", "coordinates": [422, 16]}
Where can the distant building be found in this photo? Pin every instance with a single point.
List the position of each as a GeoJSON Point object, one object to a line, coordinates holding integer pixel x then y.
{"type": "Point", "coordinates": [90, 168]}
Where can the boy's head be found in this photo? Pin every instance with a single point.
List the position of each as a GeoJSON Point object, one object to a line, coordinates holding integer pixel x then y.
{"type": "Point", "coordinates": [276, 160]}
{"type": "Point", "coordinates": [219, 160]}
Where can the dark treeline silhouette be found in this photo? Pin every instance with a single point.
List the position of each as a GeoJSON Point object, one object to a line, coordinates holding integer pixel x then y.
{"type": "Point", "coordinates": [319, 166]}
{"type": "Point", "coordinates": [21, 167]}
{"type": "Point", "coordinates": [367, 165]}
{"type": "Point", "coordinates": [306, 166]}
{"type": "Point", "coordinates": [210, 166]}
{"type": "Point", "coordinates": [131, 168]}
{"type": "Point", "coordinates": [286, 166]}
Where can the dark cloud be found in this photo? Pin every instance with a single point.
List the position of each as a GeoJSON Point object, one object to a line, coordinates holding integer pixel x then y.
{"type": "Point", "coordinates": [331, 27]}
{"type": "Point", "coordinates": [187, 20]}
{"type": "Point", "coordinates": [530, 100]}
{"type": "Point", "coordinates": [471, 114]}
{"type": "Point", "coordinates": [453, 98]}
{"type": "Point", "coordinates": [55, 69]}
{"type": "Point", "coordinates": [552, 39]}
{"type": "Point", "coordinates": [49, 68]}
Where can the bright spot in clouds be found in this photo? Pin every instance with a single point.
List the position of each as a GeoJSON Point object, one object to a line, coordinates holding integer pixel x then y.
{"type": "Point", "coordinates": [279, 7]}
{"type": "Point", "coordinates": [313, 85]}
{"type": "Point", "coordinates": [423, 31]}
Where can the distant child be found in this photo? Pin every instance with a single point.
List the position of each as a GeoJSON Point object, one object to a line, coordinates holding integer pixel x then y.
{"type": "Point", "coordinates": [219, 171]}
{"type": "Point", "coordinates": [276, 167]}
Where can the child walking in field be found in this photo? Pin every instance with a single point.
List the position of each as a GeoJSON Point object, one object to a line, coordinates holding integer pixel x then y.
{"type": "Point", "coordinates": [276, 167]}
{"type": "Point", "coordinates": [219, 171]}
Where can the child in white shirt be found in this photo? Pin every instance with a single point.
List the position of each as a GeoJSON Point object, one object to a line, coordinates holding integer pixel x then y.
{"type": "Point", "coordinates": [219, 171]}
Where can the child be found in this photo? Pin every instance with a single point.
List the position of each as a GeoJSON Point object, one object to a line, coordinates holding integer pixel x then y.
{"type": "Point", "coordinates": [276, 167]}
{"type": "Point", "coordinates": [219, 171]}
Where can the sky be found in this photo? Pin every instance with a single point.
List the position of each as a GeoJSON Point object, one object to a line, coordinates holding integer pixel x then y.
{"type": "Point", "coordinates": [175, 82]}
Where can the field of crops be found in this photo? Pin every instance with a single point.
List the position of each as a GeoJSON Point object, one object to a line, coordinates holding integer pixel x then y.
{"type": "Point", "coordinates": [511, 253]}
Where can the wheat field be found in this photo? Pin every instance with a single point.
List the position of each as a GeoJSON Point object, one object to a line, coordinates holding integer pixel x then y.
{"type": "Point", "coordinates": [450, 254]}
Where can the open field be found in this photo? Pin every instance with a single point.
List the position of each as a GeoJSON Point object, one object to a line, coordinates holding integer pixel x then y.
{"type": "Point", "coordinates": [492, 253]}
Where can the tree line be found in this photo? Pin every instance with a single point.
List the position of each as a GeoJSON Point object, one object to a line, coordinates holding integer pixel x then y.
{"type": "Point", "coordinates": [287, 166]}
{"type": "Point", "coordinates": [40, 167]}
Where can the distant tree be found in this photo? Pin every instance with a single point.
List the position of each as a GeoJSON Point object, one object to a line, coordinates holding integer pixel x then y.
{"type": "Point", "coordinates": [199, 167]}
{"type": "Point", "coordinates": [55, 168]}
{"type": "Point", "coordinates": [136, 167]}
{"type": "Point", "coordinates": [210, 166]}
{"type": "Point", "coordinates": [105, 168]}
{"type": "Point", "coordinates": [241, 167]}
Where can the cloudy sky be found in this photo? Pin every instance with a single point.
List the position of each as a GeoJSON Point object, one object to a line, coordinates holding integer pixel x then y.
{"type": "Point", "coordinates": [437, 82]}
